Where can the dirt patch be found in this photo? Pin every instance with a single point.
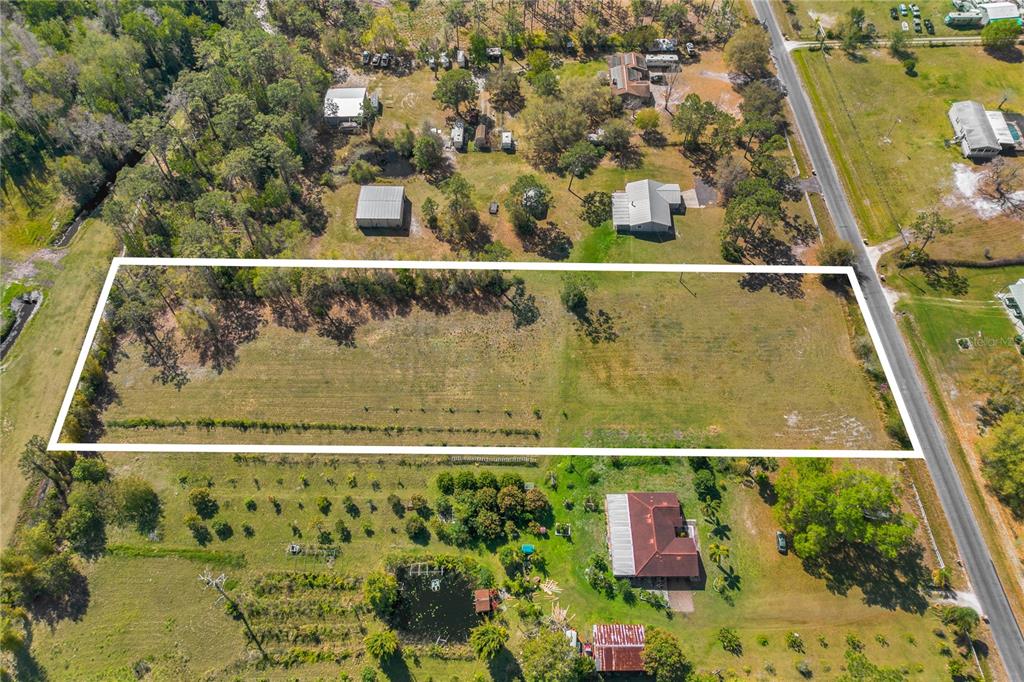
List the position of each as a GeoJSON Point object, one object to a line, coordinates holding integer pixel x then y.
{"type": "Point", "coordinates": [832, 429]}
{"type": "Point", "coordinates": [967, 193]}
{"type": "Point", "coordinates": [681, 601]}
{"type": "Point", "coordinates": [826, 20]}
{"type": "Point", "coordinates": [28, 268]}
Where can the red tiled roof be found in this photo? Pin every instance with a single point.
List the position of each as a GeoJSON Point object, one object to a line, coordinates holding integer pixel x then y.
{"type": "Point", "coordinates": [654, 520]}
{"type": "Point", "coordinates": [482, 601]}
{"type": "Point", "coordinates": [617, 648]}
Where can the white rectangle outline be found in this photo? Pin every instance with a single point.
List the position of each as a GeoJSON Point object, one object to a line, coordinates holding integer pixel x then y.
{"type": "Point", "coordinates": [118, 261]}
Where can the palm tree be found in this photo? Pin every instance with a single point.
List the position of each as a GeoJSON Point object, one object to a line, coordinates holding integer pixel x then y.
{"type": "Point", "coordinates": [488, 640]}
{"type": "Point", "coordinates": [718, 552]}
{"type": "Point", "coordinates": [942, 578]}
{"type": "Point", "coordinates": [382, 644]}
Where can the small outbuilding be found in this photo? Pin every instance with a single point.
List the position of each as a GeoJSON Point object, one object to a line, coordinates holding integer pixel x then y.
{"type": "Point", "coordinates": [507, 142]}
{"type": "Point", "coordinates": [481, 140]}
{"type": "Point", "coordinates": [618, 648]}
{"type": "Point", "coordinates": [380, 206]}
{"type": "Point", "coordinates": [495, 54]}
{"type": "Point", "coordinates": [458, 137]}
{"type": "Point", "coordinates": [483, 601]}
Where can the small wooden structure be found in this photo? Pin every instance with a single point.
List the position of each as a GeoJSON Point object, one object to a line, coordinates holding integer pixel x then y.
{"type": "Point", "coordinates": [483, 601]}
{"type": "Point", "coordinates": [481, 140]}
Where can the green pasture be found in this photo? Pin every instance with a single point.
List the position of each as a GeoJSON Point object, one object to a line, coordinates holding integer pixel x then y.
{"type": "Point", "coordinates": [660, 360]}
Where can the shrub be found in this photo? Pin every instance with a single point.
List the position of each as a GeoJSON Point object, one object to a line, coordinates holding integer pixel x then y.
{"type": "Point", "coordinates": [324, 505]}
{"type": "Point", "coordinates": [730, 641]}
{"type": "Point", "coordinates": [415, 528]}
{"type": "Point", "coordinates": [89, 470]}
{"type": "Point", "coordinates": [248, 530]}
{"type": "Point", "coordinates": [382, 644]}
{"type": "Point", "coordinates": [223, 530]}
{"type": "Point", "coordinates": [795, 642]}
{"type": "Point", "coordinates": [202, 501]}
{"type": "Point", "coordinates": [350, 506]}
{"type": "Point", "coordinates": [344, 534]}
{"type": "Point", "coordinates": [465, 480]}
{"type": "Point", "coordinates": [381, 592]}
{"type": "Point", "coordinates": [199, 531]}
{"type": "Point", "coordinates": [445, 483]}
{"type": "Point", "coordinates": [250, 504]}
{"type": "Point", "coordinates": [804, 669]}
{"type": "Point", "coordinates": [362, 172]}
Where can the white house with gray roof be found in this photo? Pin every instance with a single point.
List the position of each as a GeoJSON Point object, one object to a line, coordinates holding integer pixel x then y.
{"type": "Point", "coordinates": [344, 106]}
{"type": "Point", "coordinates": [982, 134]}
{"type": "Point", "coordinates": [646, 206]}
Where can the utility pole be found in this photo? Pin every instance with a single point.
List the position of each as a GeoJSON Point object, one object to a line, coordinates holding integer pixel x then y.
{"type": "Point", "coordinates": [218, 584]}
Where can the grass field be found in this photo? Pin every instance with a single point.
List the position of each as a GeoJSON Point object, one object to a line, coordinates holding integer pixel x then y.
{"type": "Point", "coordinates": [890, 179]}
{"type": "Point", "coordinates": [35, 372]}
{"type": "Point", "coordinates": [28, 221]}
{"type": "Point", "coordinates": [174, 622]}
{"type": "Point", "coordinates": [807, 14]}
{"type": "Point", "coordinates": [692, 362]}
{"type": "Point", "coordinates": [957, 378]}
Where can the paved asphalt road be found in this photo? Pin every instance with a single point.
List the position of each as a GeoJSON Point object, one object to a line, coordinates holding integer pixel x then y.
{"type": "Point", "coordinates": [975, 554]}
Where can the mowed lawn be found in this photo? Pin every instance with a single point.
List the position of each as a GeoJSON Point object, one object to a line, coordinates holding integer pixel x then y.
{"type": "Point", "coordinates": [831, 14]}
{"type": "Point", "coordinates": [176, 626]}
{"type": "Point", "coordinates": [36, 371]}
{"type": "Point", "coordinates": [689, 361]}
{"type": "Point", "coordinates": [887, 133]}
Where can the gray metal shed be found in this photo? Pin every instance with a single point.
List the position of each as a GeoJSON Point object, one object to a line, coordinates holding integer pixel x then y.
{"type": "Point", "coordinates": [380, 206]}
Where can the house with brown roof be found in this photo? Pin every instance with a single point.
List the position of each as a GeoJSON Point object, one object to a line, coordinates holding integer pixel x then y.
{"type": "Point", "coordinates": [648, 537]}
{"type": "Point", "coordinates": [630, 79]}
{"type": "Point", "coordinates": [618, 648]}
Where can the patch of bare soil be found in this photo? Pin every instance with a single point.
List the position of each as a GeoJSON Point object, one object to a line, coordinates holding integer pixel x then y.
{"type": "Point", "coordinates": [832, 429]}
{"type": "Point", "coordinates": [28, 268]}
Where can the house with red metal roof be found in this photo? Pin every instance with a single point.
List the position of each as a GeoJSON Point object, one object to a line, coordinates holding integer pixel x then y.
{"type": "Point", "coordinates": [618, 648]}
{"type": "Point", "coordinates": [648, 537]}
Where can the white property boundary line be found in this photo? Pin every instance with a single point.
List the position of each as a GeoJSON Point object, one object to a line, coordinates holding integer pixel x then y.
{"type": "Point", "coordinates": [116, 264]}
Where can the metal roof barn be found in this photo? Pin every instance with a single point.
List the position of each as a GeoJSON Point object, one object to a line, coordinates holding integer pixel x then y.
{"type": "Point", "coordinates": [618, 648]}
{"type": "Point", "coordinates": [380, 206]}
{"type": "Point", "coordinates": [343, 104]}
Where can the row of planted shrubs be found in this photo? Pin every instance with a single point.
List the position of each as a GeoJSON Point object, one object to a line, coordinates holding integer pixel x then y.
{"type": "Point", "coordinates": [276, 582]}
{"type": "Point", "coordinates": [279, 427]}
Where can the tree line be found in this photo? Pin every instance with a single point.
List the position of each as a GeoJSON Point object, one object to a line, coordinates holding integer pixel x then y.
{"type": "Point", "coordinates": [70, 501]}
{"type": "Point", "coordinates": [211, 311]}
